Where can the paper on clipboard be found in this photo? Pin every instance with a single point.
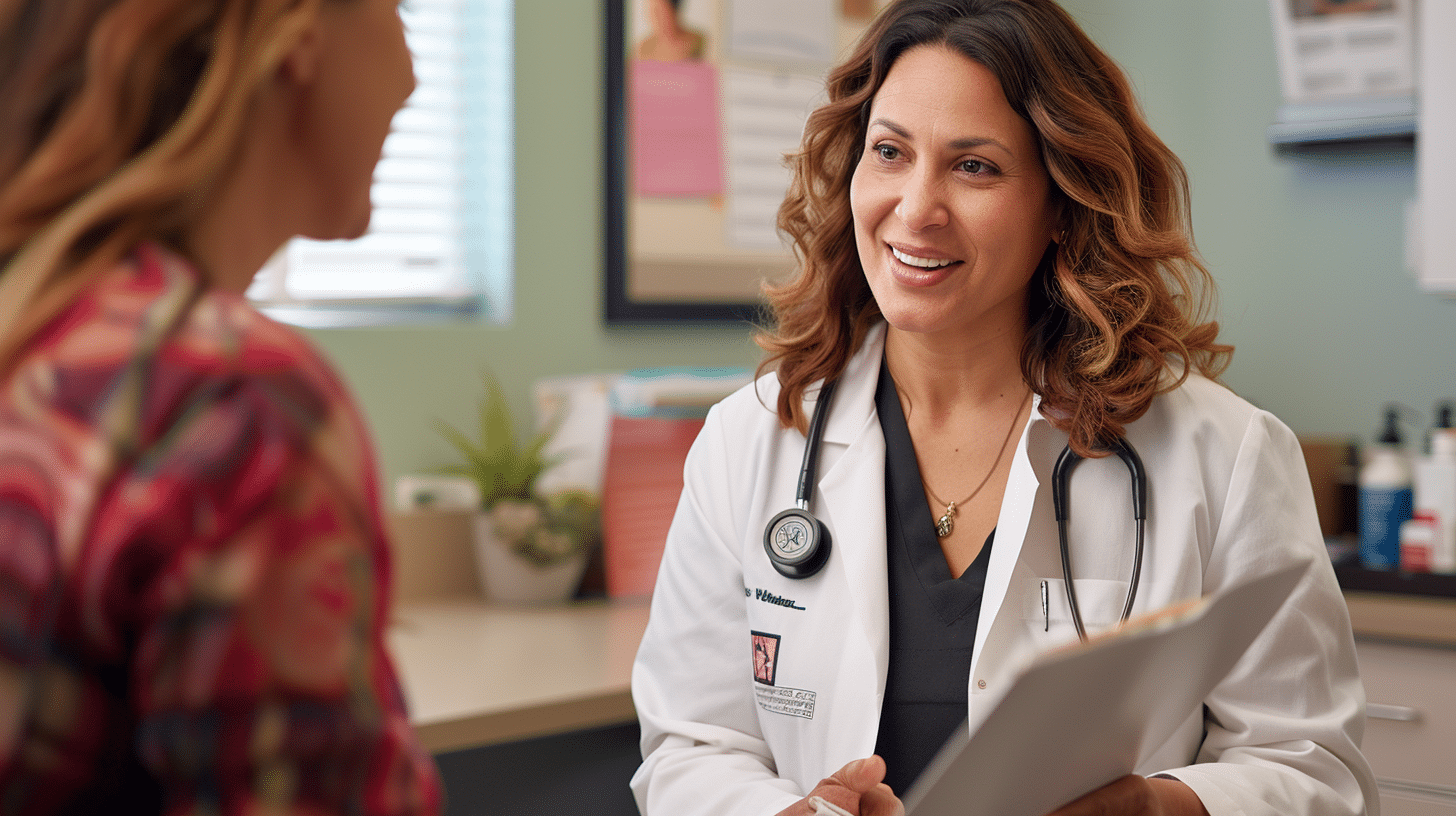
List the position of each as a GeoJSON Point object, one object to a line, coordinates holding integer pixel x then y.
{"type": "Point", "coordinates": [1078, 718]}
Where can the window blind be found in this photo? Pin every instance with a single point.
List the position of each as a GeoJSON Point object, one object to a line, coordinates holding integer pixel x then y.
{"type": "Point", "coordinates": [416, 262]}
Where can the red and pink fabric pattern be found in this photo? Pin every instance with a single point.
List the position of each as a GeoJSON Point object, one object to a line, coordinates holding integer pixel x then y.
{"type": "Point", "coordinates": [193, 568]}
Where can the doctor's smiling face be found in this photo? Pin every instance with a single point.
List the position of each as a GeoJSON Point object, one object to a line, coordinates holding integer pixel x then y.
{"type": "Point", "coordinates": [952, 206]}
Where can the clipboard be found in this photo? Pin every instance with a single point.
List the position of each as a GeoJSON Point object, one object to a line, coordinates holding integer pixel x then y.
{"type": "Point", "coordinates": [1078, 717]}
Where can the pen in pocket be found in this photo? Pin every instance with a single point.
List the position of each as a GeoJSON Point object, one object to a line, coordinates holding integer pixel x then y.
{"type": "Point", "coordinates": [1046, 611]}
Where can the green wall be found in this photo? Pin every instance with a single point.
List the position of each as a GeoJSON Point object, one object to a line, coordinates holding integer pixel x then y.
{"type": "Point", "coordinates": [407, 377]}
{"type": "Point", "coordinates": [1306, 246]}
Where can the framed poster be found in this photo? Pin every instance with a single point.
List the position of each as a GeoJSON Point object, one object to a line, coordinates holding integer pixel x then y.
{"type": "Point", "coordinates": [704, 99]}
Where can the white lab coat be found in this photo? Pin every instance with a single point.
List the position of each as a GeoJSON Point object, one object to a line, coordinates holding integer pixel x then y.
{"type": "Point", "coordinates": [1228, 498]}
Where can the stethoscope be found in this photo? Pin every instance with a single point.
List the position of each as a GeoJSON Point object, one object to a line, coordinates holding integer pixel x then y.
{"type": "Point", "coordinates": [798, 543]}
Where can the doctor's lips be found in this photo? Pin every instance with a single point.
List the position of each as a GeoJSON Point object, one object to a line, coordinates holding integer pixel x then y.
{"type": "Point", "coordinates": [919, 257]}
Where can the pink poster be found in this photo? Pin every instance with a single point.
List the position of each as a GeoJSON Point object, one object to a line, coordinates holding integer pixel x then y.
{"type": "Point", "coordinates": [677, 143]}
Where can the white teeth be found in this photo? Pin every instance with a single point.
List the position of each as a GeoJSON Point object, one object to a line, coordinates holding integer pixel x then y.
{"type": "Point", "coordinates": [923, 263]}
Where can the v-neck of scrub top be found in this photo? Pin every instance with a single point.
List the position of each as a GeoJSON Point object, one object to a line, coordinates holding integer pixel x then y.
{"type": "Point", "coordinates": [933, 614]}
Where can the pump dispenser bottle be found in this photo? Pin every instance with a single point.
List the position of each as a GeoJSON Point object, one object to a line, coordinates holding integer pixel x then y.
{"type": "Point", "coordinates": [1386, 497]}
{"type": "Point", "coordinates": [1435, 491]}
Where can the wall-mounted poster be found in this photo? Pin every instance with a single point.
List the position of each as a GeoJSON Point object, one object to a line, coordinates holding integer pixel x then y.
{"type": "Point", "coordinates": [704, 99]}
{"type": "Point", "coordinates": [1338, 49]}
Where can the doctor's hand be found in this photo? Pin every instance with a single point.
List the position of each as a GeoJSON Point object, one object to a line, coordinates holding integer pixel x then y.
{"type": "Point", "coordinates": [1137, 796]}
{"type": "Point", "coordinates": [858, 787]}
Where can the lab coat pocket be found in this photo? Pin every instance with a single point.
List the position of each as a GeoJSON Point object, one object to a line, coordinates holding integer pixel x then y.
{"type": "Point", "coordinates": [1048, 614]}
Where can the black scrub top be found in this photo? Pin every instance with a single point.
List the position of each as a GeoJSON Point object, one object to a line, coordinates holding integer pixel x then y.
{"type": "Point", "coordinates": [932, 613]}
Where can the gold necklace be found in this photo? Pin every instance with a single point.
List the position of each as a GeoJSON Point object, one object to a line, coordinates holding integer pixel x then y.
{"type": "Point", "coordinates": [945, 525]}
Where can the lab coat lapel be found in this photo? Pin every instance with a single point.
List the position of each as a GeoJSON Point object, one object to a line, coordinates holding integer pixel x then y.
{"type": "Point", "coordinates": [1011, 524]}
{"type": "Point", "coordinates": [852, 488]}
{"type": "Point", "coordinates": [1000, 650]}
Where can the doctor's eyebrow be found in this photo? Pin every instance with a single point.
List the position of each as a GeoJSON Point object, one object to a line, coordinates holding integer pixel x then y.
{"type": "Point", "coordinates": [965, 143]}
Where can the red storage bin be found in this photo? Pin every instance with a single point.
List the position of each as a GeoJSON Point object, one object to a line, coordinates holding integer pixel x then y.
{"type": "Point", "coordinates": [656, 415]}
{"type": "Point", "coordinates": [640, 491]}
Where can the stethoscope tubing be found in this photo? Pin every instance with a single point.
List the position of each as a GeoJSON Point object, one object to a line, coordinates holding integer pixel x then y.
{"type": "Point", "coordinates": [1061, 508]}
{"type": "Point", "coordinates": [801, 567]}
{"type": "Point", "coordinates": [811, 444]}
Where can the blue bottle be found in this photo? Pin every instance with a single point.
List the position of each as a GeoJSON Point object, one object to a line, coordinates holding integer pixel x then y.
{"type": "Point", "coordinates": [1386, 498]}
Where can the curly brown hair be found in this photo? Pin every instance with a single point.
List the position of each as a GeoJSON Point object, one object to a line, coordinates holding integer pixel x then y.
{"type": "Point", "coordinates": [1116, 306]}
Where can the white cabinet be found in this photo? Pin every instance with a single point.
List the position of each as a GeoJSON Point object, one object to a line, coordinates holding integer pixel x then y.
{"type": "Point", "coordinates": [1411, 736]}
{"type": "Point", "coordinates": [1432, 251]}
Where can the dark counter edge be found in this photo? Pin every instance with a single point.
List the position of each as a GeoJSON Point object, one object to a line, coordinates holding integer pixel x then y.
{"type": "Point", "coordinates": [1359, 579]}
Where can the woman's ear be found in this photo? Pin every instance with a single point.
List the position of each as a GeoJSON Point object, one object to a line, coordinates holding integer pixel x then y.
{"type": "Point", "coordinates": [1061, 220]}
{"type": "Point", "coordinates": [301, 64]}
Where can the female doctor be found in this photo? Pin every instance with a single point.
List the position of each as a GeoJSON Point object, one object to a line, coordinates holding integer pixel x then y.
{"type": "Point", "coordinates": [995, 265]}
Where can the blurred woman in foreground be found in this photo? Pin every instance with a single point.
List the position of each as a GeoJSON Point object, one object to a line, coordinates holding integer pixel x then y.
{"type": "Point", "coordinates": [193, 571]}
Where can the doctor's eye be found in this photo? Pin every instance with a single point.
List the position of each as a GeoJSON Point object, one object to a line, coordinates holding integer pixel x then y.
{"type": "Point", "coordinates": [886, 152]}
{"type": "Point", "coordinates": [976, 167]}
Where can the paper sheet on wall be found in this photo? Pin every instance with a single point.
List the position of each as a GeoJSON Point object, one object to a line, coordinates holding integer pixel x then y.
{"type": "Point", "coordinates": [1336, 49]}
{"type": "Point", "coordinates": [778, 32]}
{"type": "Point", "coordinates": [580, 407]}
{"type": "Point", "coordinates": [676, 134]}
{"type": "Point", "coordinates": [1077, 718]}
{"type": "Point", "coordinates": [764, 115]}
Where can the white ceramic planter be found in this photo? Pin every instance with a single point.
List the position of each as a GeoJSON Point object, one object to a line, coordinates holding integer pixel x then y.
{"type": "Point", "coordinates": [508, 578]}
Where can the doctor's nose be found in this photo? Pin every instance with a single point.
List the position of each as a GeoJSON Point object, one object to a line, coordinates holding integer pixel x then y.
{"type": "Point", "coordinates": [922, 205]}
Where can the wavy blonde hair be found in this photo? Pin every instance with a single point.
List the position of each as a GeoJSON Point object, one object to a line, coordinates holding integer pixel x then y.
{"type": "Point", "coordinates": [1116, 306]}
{"type": "Point", "coordinates": [116, 118]}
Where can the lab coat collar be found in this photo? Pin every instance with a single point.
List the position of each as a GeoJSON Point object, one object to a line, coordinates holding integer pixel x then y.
{"type": "Point", "coordinates": [854, 397]}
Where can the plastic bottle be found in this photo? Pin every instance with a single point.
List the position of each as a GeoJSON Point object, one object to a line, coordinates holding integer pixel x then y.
{"type": "Point", "coordinates": [1418, 542]}
{"type": "Point", "coordinates": [1435, 490]}
{"type": "Point", "coordinates": [1387, 497]}
{"type": "Point", "coordinates": [1348, 487]}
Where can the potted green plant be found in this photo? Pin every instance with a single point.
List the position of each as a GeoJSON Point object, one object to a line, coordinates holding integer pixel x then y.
{"type": "Point", "coordinates": [530, 548]}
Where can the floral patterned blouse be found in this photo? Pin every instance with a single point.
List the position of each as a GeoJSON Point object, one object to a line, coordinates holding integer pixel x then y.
{"type": "Point", "coordinates": [193, 570]}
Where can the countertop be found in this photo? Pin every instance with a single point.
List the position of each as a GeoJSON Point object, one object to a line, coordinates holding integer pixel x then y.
{"type": "Point", "coordinates": [1393, 582]}
{"type": "Point", "coordinates": [1410, 618]}
{"type": "Point", "coordinates": [476, 674]}
{"type": "Point", "coordinates": [1404, 606]}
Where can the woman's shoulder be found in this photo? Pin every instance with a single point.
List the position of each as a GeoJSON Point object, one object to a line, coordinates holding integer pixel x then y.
{"type": "Point", "coordinates": [1199, 395]}
{"type": "Point", "coordinates": [757, 402]}
{"type": "Point", "coordinates": [1213, 414]}
{"type": "Point", "coordinates": [194, 383]}
{"type": "Point", "coordinates": [221, 348]}
{"type": "Point", "coordinates": [228, 330]}
{"type": "Point", "coordinates": [753, 406]}
{"type": "Point", "coordinates": [261, 384]}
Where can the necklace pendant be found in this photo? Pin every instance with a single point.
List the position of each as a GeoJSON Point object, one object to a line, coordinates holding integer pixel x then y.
{"type": "Point", "coordinates": [946, 523]}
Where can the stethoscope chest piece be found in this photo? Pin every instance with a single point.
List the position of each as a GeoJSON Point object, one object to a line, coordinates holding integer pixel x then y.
{"type": "Point", "coordinates": [797, 543]}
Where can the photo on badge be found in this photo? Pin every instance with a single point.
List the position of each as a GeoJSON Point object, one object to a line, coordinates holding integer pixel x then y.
{"type": "Point", "coordinates": [765, 657]}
